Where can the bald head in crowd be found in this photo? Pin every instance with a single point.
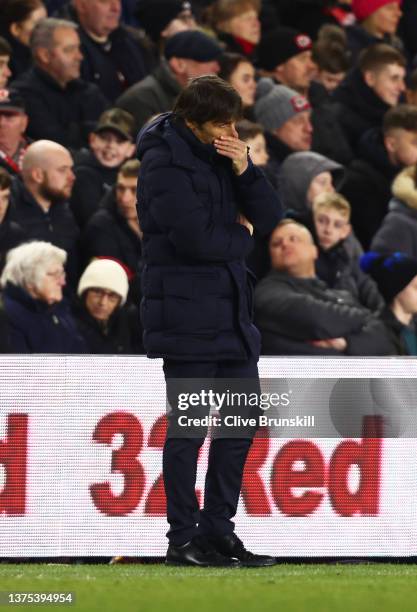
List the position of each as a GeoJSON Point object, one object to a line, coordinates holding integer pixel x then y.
{"type": "Point", "coordinates": [47, 172]}
{"type": "Point", "coordinates": [292, 250]}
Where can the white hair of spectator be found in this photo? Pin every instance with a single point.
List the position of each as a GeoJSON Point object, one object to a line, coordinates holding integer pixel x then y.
{"type": "Point", "coordinates": [28, 263]}
{"type": "Point", "coordinates": [43, 33]}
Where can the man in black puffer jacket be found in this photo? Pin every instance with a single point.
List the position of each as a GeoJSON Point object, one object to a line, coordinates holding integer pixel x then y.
{"type": "Point", "coordinates": [198, 195]}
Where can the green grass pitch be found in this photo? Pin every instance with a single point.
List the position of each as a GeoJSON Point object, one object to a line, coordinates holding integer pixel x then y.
{"type": "Point", "coordinates": [283, 588]}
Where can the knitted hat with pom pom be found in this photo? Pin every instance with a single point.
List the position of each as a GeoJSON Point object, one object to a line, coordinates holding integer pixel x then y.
{"type": "Point", "coordinates": [363, 8]}
{"type": "Point", "coordinates": [392, 273]}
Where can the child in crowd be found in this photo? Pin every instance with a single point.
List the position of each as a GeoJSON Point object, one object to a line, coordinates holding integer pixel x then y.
{"type": "Point", "coordinates": [332, 61]}
{"type": "Point", "coordinates": [396, 277]}
{"type": "Point", "coordinates": [336, 264]}
{"type": "Point", "coordinates": [253, 135]}
{"type": "Point", "coordinates": [96, 168]}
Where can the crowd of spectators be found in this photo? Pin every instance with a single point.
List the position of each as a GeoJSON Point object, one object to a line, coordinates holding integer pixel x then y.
{"type": "Point", "coordinates": [329, 92]}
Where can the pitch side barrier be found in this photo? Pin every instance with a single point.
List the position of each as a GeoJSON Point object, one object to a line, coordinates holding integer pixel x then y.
{"type": "Point", "coordinates": [332, 470]}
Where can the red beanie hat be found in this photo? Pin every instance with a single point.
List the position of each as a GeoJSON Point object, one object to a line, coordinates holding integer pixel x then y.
{"type": "Point", "coordinates": [363, 8]}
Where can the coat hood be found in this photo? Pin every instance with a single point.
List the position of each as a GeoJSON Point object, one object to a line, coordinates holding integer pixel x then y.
{"type": "Point", "coordinates": [160, 130]}
{"type": "Point", "coordinates": [296, 174]}
{"type": "Point", "coordinates": [404, 187]}
{"type": "Point", "coordinates": [152, 133]}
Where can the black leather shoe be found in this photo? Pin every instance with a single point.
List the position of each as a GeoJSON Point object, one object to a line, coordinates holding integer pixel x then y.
{"type": "Point", "coordinates": [231, 546]}
{"type": "Point", "coordinates": [198, 553]}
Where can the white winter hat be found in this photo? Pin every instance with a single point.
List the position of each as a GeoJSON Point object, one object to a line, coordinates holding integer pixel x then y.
{"type": "Point", "coordinates": [104, 274]}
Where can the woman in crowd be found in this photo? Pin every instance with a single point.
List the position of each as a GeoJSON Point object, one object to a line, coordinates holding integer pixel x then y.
{"type": "Point", "coordinates": [17, 21]}
{"type": "Point", "coordinates": [105, 321]}
{"type": "Point", "coordinates": [377, 21]}
{"type": "Point", "coordinates": [39, 319]}
{"type": "Point", "coordinates": [236, 23]}
{"type": "Point", "coordinates": [237, 70]}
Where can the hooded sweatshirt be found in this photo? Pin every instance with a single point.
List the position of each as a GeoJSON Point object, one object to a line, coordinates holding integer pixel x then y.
{"type": "Point", "coordinates": [296, 174]}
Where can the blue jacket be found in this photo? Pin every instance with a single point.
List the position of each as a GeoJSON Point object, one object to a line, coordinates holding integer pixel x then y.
{"type": "Point", "coordinates": [36, 327]}
{"type": "Point", "coordinates": [198, 298]}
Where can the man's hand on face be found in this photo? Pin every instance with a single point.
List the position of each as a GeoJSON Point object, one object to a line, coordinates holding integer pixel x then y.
{"type": "Point", "coordinates": [234, 149]}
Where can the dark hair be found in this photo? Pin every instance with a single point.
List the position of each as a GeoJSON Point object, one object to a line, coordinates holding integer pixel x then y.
{"type": "Point", "coordinates": [331, 56]}
{"type": "Point", "coordinates": [248, 130]}
{"type": "Point", "coordinates": [228, 63]}
{"type": "Point", "coordinates": [5, 179]}
{"type": "Point", "coordinates": [412, 80]}
{"type": "Point", "coordinates": [15, 11]}
{"type": "Point", "coordinates": [208, 98]}
{"type": "Point", "coordinates": [5, 48]}
{"type": "Point", "coordinates": [330, 33]}
{"type": "Point", "coordinates": [402, 116]}
{"type": "Point", "coordinates": [130, 169]}
{"type": "Point", "coordinates": [378, 56]}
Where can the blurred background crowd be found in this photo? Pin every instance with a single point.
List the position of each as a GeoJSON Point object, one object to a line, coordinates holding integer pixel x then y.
{"type": "Point", "coordinates": [329, 91]}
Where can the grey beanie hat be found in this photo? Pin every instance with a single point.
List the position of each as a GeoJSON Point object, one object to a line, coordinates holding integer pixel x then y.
{"type": "Point", "coordinates": [296, 174]}
{"type": "Point", "coordinates": [277, 104]}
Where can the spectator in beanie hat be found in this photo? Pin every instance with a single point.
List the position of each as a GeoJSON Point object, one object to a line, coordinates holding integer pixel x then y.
{"type": "Point", "coordinates": [187, 55]}
{"type": "Point", "coordinates": [163, 18]}
{"type": "Point", "coordinates": [377, 22]}
{"type": "Point", "coordinates": [96, 168]}
{"type": "Point", "coordinates": [285, 115]}
{"type": "Point", "coordinates": [396, 277]}
{"type": "Point", "coordinates": [13, 124]}
{"type": "Point", "coordinates": [285, 55]}
{"type": "Point", "coordinates": [106, 324]}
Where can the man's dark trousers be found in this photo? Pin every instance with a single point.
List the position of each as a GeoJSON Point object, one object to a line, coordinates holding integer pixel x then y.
{"type": "Point", "coordinates": [226, 462]}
